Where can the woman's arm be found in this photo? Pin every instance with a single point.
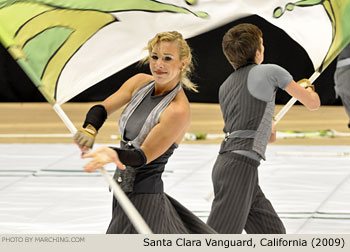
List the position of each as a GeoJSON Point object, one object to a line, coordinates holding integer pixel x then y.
{"type": "Point", "coordinates": [125, 92]}
{"type": "Point", "coordinates": [173, 124]}
{"type": "Point", "coordinates": [171, 128]}
{"type": "Point", "coordinates": [97, 114]}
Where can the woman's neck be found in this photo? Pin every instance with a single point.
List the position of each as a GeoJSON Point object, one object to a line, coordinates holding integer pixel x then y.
{"type": "Point", "coordinates": [160, 89]}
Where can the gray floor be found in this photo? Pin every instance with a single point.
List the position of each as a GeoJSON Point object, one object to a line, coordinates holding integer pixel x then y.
{"type": "Point", "coordinates": [43, 188]}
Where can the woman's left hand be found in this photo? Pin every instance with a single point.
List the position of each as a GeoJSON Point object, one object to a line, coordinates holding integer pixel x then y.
{"type": "Point", "coordinates": [100, 157]}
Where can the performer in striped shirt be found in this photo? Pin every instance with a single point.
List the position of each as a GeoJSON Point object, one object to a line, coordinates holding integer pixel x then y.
{"type": "Point", "coordinates": [247, 101]}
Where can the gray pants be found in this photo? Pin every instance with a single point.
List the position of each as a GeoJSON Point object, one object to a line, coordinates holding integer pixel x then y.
{"type": "Point", "coordinates": [239, 202]}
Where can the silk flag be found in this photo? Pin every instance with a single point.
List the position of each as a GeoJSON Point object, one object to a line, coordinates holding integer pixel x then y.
{"type": "Point", "coordinates": [66, 46]}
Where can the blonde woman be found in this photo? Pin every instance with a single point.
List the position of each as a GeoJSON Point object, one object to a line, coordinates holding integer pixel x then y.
{"type": "Point", "coordinates": [151, 127]}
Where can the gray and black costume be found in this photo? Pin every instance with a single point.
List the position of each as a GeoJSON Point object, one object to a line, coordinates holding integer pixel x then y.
{"type": "Point", "coordinates": [143, 185]}
{"type": "Point", "coordinates": [247, 101]}
{"type": "Point", "coordinates": [342, 79]}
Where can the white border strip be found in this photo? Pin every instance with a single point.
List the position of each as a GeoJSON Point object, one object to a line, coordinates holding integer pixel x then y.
{"type": "Point", "coordinates": [35, 135]}
{"type": "Point", "coordinates": [312, 154]}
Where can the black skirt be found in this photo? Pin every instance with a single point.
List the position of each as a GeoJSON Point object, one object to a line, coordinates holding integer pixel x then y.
{"type": "Point", "coordinates": [163, 214]}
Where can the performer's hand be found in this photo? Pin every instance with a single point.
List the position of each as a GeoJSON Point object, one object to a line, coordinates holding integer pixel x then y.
{"type": "Point", "coordinates": [85, 138]}
{"type": "Point", "coordinates": [305, 83]}
{"type": "Point", "coordinates": [100, 157]}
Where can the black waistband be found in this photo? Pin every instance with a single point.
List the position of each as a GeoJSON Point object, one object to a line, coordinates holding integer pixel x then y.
{"type": "Point", "coordinates": [241, 158]}
{"type": "Point", "coordinates": [130, 181]}
{"type": "Point", "coordinates": [152, 184]}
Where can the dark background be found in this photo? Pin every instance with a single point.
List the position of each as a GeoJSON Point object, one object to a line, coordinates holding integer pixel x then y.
{"type": "Point", "coordinates": [211, 69]}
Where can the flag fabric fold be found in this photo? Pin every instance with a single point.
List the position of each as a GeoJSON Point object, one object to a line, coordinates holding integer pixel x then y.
{"type": "Point", "coordinates": [70, 45]}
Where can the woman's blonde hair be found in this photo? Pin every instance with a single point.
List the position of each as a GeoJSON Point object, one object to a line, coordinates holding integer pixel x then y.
{"type": "Point", "coordinates": [185, 54]}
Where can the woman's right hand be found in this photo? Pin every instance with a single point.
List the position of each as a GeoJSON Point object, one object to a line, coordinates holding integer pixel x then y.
{"type": "Point", "coordinates": [85, 138]}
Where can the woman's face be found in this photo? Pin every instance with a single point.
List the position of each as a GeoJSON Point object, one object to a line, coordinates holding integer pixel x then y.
{"type": "Point", "coordinates": [165, 63]}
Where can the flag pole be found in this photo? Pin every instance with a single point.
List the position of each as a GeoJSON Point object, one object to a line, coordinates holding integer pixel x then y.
{"type": "Point", "coordinates": [18, 54]}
